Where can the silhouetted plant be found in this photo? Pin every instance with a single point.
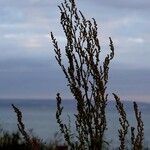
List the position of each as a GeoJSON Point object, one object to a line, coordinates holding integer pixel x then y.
{"type": "Point", "coordinates": [136, 141]}
{"type": "Point", "coordinates": [87, 79]}
{"type": "Point", "coordinates": [32, 142]}
{"type": "Point", "coordinates": [123, 122]}
{"type": "Point", "coordinates": [20, 124]}
{"type": "Point", "coordinates": [11, 141]}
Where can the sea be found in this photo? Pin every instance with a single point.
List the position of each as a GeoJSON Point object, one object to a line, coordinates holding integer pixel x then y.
{"type": "Point", "coordinates": [39, 117]}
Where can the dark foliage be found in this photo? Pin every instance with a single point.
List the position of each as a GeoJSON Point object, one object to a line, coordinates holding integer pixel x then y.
{"type": "Point", "coordinates": [87, 79]}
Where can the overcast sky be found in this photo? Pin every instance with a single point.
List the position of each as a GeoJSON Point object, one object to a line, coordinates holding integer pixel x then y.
{"type": "Point", "coordinates": [27, 65]}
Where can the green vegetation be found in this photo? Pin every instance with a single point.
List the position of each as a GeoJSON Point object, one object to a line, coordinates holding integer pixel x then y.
{"type": "Point", "coordinates": [87, 77]}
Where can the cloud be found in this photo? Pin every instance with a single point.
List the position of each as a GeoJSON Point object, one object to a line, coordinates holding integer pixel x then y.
{"type": "Point", "coordinates": [130, 84]}
{"type": "Point", "coordinates": [27, 3]}
{"type": "Point", "coordinates": [27, 66]}
{"type": "Point", "coordinates": [130, 5]}
{"type": "Point", "coordinates": [136, 40]}
{"type": "Point", "coordinates": [28, 40]}
{"type": "Point", "coordinates": [28, 78]}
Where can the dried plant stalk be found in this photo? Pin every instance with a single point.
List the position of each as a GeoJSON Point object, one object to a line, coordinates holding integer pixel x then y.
{"type": "Point", "coordinates": [20, 124]}
{"type": "Point", "coordinates": [136, 141]}
{"type": "Point", "coordinates": [123, 122]}
{"type": "Point", "coordinates": [32, 143]}
{"type": "Point", "coordinates": [87, 79]}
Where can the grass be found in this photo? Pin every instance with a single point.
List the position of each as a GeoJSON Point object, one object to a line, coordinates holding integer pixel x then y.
{"type": "Point", "coordinates": [15, 141]}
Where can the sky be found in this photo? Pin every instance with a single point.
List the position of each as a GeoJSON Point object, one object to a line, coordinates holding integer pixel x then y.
{"type": "Point", "coordinates": [28, 68]}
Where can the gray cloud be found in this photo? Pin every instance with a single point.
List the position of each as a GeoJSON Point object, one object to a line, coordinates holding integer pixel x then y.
{"type": "Point", "coordinates": [27, 65]}
{"type": "Point", "coordinates": [26, 78]}
{"type": "Point", "coordinates": [130, 84]}
{"type": "Point", "coordinates": [134, 4]}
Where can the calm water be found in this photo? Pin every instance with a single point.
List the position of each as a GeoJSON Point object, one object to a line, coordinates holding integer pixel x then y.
{"type": "Point", "coordinates": [39, 115]}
